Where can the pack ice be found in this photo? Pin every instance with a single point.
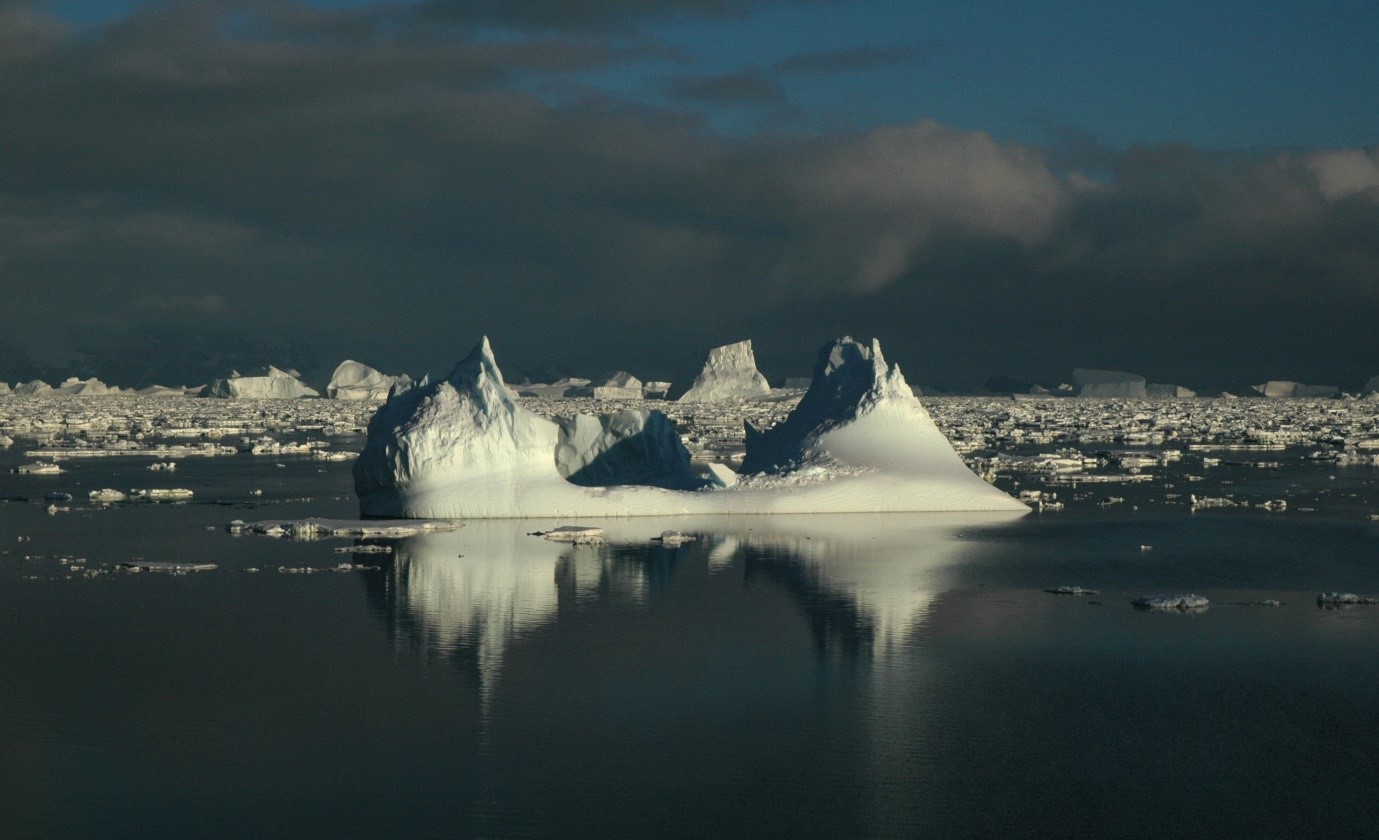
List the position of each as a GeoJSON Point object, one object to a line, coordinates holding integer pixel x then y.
{"type": "Point", "coordinates": [730, 373]}
{"type": "Point", "coordinates": [464, 447]}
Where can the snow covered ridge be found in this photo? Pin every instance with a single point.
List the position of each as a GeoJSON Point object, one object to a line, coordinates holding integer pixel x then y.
{"type": "Point", "coordinates": [464, 447]}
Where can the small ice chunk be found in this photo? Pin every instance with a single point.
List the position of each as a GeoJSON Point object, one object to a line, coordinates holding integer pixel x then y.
{"type": "Point", "coordinates": [162, 494]}
{"type": "Point", "coordinates": [1331, 600]}
{"type": "Point", "coordinates": [673, 538]}
{"type": "Point", "coordinates": [107, 494]}
{"type": "Point", "coordinates": [721, 475]}
{"type": "Point", "coordinates": [1072, 590]}
{"type": "Point", "coordinates": [574, 533]}
{"type": "Point", "coordinates": [1172, 603]}
{"type": "Point", "coordinates": [160, 566]}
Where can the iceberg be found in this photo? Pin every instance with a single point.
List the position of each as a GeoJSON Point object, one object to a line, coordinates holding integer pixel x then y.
{"type": "Point", "coordinates": [357, 381]}
{"type": "Point", "coordinates": [76, 387]}
{"type": "Point", "coordinates": [36, 388]}
{"type": "Point", "coordinates": [1109, 384]}
{"type": "Point", "coordinates": [266, 383]}
{"type": "Point", "coordinates": [464, 447]}
{"type": "Point", "coordinates": [614, 385]}
{"type": "Point", "coordinates": [1281, 389]}
{"type": "Point", "coordinates": [730, 373]}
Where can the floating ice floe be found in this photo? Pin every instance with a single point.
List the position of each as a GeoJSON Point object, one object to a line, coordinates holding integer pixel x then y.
{"type": "Point", "coordinates": [162, 494]}
{"type": "Point", "coordinates": [578, 534]}
{"type": "Point", "coordinates": [1072, 590]}
{"type": "Point", "coordinates": [1343, 599]}
{"type": "Point", "coordinates": [859, 441]}
{"type": "Point", "coordinates": [39, 468]}
{"type": "Point", "coordinates": [314, 528]}
{"type": "Point", "coordinates": [1172, 603]}
{"type": "Point", "coordinates": [108, 494]}
{"type": "Point", "coordinates": [673, 538]}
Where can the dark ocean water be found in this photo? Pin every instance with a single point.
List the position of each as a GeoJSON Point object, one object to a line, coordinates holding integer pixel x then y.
{"type": "Point", "coordinates": [846, 676]}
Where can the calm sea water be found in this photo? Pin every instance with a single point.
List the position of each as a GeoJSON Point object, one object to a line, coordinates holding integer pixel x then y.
{"type": "Point", "coordinates": [848, 676]}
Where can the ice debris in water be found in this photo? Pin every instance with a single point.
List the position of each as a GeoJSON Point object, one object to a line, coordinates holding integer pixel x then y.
{"type": "Point", "coordinates": [160, 566]}
{"type": "Point", "coordinates": [1343, 599]}
{"type": "Point", "coordinates": [315, 528]}
{"type": "Point", "coordinates": [1072, 590]}
{"type": "Point", "coordinates": [673, 538]}
{"type": "Point", "coordinates": [1171, 603]}
{"type": "Point", "coordinates": [578, 534]}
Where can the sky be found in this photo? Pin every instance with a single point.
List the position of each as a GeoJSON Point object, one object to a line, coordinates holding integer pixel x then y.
{"type": "Point", "coordinates": [1186, 190]}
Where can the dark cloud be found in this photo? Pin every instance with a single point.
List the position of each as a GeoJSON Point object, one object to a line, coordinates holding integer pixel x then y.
{"type": "Point", "coordinates": [865, 57]}
{"type": "Point", "coordinates": [589, 14]}
{"type": "Point", "coordinates": [320, 185]}
{"type": "Point", "coordinates": [747, 87]}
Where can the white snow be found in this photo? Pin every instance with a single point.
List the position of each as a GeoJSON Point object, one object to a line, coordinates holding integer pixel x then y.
{"type": "Point", "coordinates": [730, 373]}
{"type": "Point", "coordinates": [859, 441]}
{"type": "Point", "coordinates": [268, 383]}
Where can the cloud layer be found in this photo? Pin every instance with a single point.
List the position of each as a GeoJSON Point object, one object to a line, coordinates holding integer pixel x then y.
{"type": "Point", "coordinates": [374, 185]}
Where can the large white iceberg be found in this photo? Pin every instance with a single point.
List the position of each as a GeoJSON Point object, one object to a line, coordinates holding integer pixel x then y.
{"type": "Point", "coordinates": [463, 447]}
{"type": "Point", "coordinates": [357, 381]}
{"type": "Point", "coordinates": [267, 383]}
{"type": "Point", "coordinates": [730, 373]}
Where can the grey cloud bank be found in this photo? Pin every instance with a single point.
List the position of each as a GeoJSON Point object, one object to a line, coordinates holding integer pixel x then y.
{"type": "Point", "coordinates": [322, 186]}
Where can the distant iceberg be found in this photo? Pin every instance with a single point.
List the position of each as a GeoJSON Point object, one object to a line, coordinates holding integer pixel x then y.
{"type": "Point", "coordinates": [730, 373]}
{"type": "Point", "coordinates": [357, 381]}
{"type": "Point", "coordinates": [1109, 384]}
{"type": "Point", "coordinates": [266, 383]}
{"type": "Point", "coordinates": [464, 447]}
{"type": "Point", "coordinates": [1283, 389]}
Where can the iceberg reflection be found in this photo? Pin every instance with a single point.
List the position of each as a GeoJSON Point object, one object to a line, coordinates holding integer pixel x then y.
{"type": "Point", "coordinates": [863, 582]}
